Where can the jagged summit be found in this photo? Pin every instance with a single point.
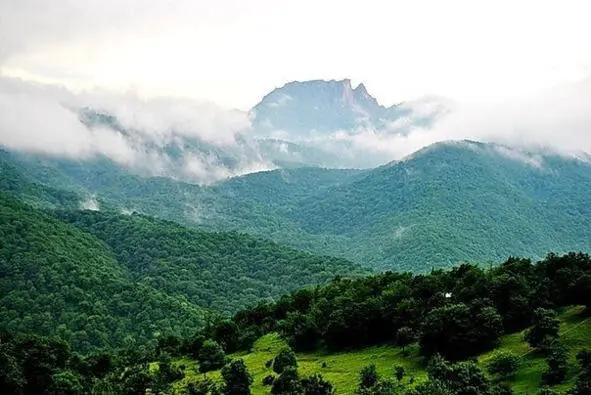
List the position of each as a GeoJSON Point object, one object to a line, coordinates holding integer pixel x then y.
{"type": "Point", "coordinates": [317, 107]}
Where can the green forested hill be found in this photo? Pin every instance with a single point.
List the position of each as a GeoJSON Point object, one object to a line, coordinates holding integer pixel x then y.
{"type": "Point", "coordinates": [460, 201]}
{"type": "Point", "coordinates": [103, 276]}
{"type": "Point", "coordinates": [450, 202]}
{"type": "Point", "coordinates": [57, 279]}
{"type": "Point", "coordinates": [222, 271]}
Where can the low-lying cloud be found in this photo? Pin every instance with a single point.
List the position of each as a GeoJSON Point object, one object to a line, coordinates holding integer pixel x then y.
{"type": "Point", "coordinates": [47, 119]}
{"type": "Point", "coordinates": [557, 120]}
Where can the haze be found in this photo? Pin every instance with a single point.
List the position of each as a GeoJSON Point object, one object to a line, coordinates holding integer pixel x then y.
{"type": "Point", "coordinates": [233, 52]}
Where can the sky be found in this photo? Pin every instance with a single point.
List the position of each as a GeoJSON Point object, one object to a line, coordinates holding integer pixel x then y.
{"type": "Point", "coordinates": [232, 52]}
{"type": "Point", "coordinates": [511, 72]}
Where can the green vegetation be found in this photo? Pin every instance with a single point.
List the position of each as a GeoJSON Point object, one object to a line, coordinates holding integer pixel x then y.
{"type": "Point", "coordinates": [96, 278]}
{"type": "Point", "coordinates": [465, 323]}
{"type": "Point", "coordinates": [342, 369]}
{"type": "Point", "coordinates": [58, 280]}
{"type": "Point", "coordinates": [446, 204]}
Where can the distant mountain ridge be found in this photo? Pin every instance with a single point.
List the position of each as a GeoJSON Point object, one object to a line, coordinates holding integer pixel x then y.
{"type": "Point", "coordinates": [303, 123]}
{"type": "Point", "coordinates": [452, 201]}
{"type": "Point", "coordinates": [317, 106]}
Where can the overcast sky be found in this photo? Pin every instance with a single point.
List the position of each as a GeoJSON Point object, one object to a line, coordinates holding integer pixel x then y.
{"type": "Point", "coordinates": [232, 52]}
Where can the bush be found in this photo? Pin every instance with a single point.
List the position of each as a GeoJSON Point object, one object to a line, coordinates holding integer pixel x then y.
{"type": "Point", "coordinates": [557, 365]}
{"type": "Point", "coordinates": [504, 364]}
{"type": "Point", "coordinates": [268, 380]}
{"type": "Point", "coordinates": [284, 359]}
{"type": "Point", "coordinates": [287, 383]}
{"type": "Point", "coordinates": [316, 385]}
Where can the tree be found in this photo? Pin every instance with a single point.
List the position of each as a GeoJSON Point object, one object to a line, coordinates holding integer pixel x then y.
{"type": "Point", "coordinates": [404, 337]}
{"type": "Point", "coordinates": [12, 379]}
{"type": "Point", "coordinates": [287, 383]}
{"type": "Point", "coordinates": [300, 330]}
{"type": "Point", "coordinates": [284, 359]}
{"type": "Point", "coordinates": [204, 387]}
{"type": "Point", "coordinates": [545, 328]}
{"type": "Point", "coordinates": [226, 333]}
{"type": "Point", "coordinates": [211, 356]}
{"type": "Point", "coordinates": [65, 383]}
{"type": "Point", "coordinates": [237, 379]}
{"type": "Point", "coordinates": [583, 382]}
{"type": "Point", "coordinates": [545, 390]}
{"type": "Point", "coordinates": [135, 379]}
{"type": "Point", "coordinates": [268, 379]}
{"type": "Point", "coordinates": [316, 385]}
{"type": "Point", "coordinates": [399, 373]}
{"type": "Point", "coordinates": [459, 331]}
{"type": "Point", "coordinates": [557, 364]}
{"type": "Point", "coordinates": [193, 345]}
{"type": "Point", "coordinates": [504, 364]}
{"type": "Point", "coordinates": [170, 344]}
{"type": "Point", "coordinates": [167, 374]}
{"type": "Point", "coordinates": [382, 387]}
{"type": "Point", "coordinates": [368, 377]}
{"type": "Point", "coordinates": [461, 378]}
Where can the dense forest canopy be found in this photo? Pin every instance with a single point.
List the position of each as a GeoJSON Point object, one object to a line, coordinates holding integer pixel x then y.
{"type": "Point", "coordinates": [452, 315]}
{"type": "Point", "coordinates": [95, 278]}
{"type": "Point", "coordinates": [450, 202]}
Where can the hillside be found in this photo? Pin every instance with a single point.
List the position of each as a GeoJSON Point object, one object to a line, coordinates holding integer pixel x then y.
{"type": "Point", "coordinates": [223, 272]}
{"type": "Point", "coordinates": [343, 368]}
{"type": "Point", "coordinates": [457, 202]}
{"type": "Point", "coordinates": [57, 279]}
{"type": "Point", "coordinates": [450, 202]}
{"type": "Point", "coordinates": [462, 321]}
{"type": "Point", "coordinates": [94, 278]}
{"type": "Point", "coordinates": [465, 331]}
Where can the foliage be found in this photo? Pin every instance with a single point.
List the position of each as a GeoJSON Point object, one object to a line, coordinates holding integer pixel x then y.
{"type": "Point", "coordinates": [458, 331]}
{"type": "Point", "coordinates": [204, 387]}
{"type": "Point", "coordinates": [268, 380]}
{"type": "Point", "coordinates": [286, 358]}
{"type": "Point", "coordinates": [316, 385]}
{"type": "Point", "coordinates": [368, 377]}
{"type": "Point", "coordinates": [354, 313]}
{"type": "Point", "coordinates": [399, 373]}
{"type": "Point", "coordinates": [211, 356]}
{"type": "Point", "coordinates": [583, 383]}
{"type": "Point", "coordinates": [404, 336]}
{"type": "Point", "coordinates": [461, 378]}
{"type": "Point", "coordinates": [503, 364]}
{"type": "Point", "coordinates": [544, 329]}
{"type": "Point", "coordinates": [95, 278]}
{"type": "Point", "coordinates": [287, 383]}
{"type": "Point", "coordinates": [237, 379]}
{"type": "Point", "coordinates": [449, 203]}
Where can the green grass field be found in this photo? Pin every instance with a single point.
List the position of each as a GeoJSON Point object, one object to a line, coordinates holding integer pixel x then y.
{"type": "Point", "coordinates": [342, 369]}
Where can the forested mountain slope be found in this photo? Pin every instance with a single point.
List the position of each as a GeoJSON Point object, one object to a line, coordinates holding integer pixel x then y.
{"type": "Point", "coordinates": [450, 202]}
{"type": "Point", "coordinates": [95, 278]}
{"type": "Point", "coordinates": [57, 279]}
{"type": "Point", "coordinates": [458, 201]}
{"type": "Point", "coordinates": [221, 271]}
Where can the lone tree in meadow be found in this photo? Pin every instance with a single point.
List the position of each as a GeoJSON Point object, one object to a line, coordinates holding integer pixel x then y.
{"type": "Point", "coordinates": [211, 356]}
{"type": "Point", "coordinates": [544, 329]}
{"type": "Point", "coordinates": [237, 379]}
{"type": "Point", "coordinates": [285, 358]}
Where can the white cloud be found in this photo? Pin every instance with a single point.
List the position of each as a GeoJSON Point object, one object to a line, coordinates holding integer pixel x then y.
{"type": "Point", "coordinates": [90, 204]}
{"type": "Point", "coordinates": [557, 120]}
{"type": "Point", "coordinates": [233, 51]}
{"type": "Point", "coordinates": [45, 119]}
{"type": "Point", "coordinates": [162, 118]}
{"type": "Point", "coordinates": [40, 123]}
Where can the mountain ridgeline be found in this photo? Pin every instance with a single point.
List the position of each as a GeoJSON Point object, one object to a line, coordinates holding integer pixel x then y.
{"type": "Point", "coordinates": [108, 272]}
{"type": "Point", "coordinates": [450, 202]}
